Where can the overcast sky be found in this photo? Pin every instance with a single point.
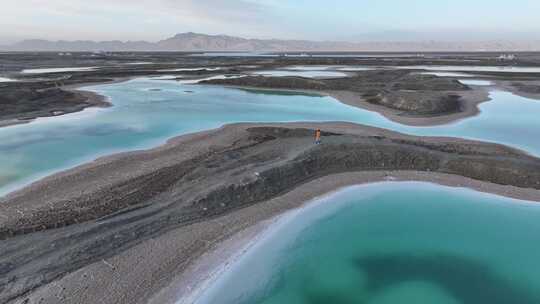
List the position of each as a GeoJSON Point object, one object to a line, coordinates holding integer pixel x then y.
{"type": "Point", "coordinates": [355, 20]}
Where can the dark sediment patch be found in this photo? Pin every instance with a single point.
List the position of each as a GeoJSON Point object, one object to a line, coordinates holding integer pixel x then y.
{"type": "Point", "coordinates": [468, 281]}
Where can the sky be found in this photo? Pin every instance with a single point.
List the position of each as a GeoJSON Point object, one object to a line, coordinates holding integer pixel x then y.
{"type": "Point", "coordinates": [337, 20]}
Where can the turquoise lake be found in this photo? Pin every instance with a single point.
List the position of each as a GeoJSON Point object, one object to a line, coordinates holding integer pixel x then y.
{"type": "Point", "coordinates": [301, 73]}
{"type": "Point", "coordinates": [147, 112]}
{"type": "Point", "coordinates": [390, 243]}
{"type": "Point", "coordinates": [375, 244]}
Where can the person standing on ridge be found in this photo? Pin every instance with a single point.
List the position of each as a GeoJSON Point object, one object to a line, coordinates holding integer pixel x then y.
{"type": "Point", "coordinates": [318, 136]}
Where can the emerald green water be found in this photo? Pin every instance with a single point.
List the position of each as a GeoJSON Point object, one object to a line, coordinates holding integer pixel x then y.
{"type": "Point", "coordinates": [393, 243]}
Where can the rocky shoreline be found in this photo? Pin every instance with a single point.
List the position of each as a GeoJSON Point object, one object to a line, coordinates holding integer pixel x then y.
{"type": "Point", "coordinates": [101, 209]}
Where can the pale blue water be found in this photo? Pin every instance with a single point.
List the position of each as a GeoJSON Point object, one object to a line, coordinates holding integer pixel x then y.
{"type": "Point", "coordinates": [509, 69]}
{"type": "Point", "coordinates": [447, 74]}
{"type": "Point", "coordinates": [475, 82]}
{"type": "Point", "coordinates": [377, 244]}
{"type": "Point", "coordinates": [142, 118]}
{"type": "Point", "coordinates": [311, 67]}
{"type": "Point", "coordinates": [391, 243]}
{"type": "Point", "coordinates": [301, 73]}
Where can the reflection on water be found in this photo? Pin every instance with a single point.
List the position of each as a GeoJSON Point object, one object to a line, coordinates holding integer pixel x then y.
{"type": "Point", "coordinates": [148, 111]}
{"type": "Point", "coordinates": [393, 243]}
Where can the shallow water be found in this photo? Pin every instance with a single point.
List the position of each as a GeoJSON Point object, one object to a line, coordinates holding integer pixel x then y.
{"type": "Point", "coordinates": [475, 82]}
{"type": "Point", "coordinates": [390, 243]}
{"type": "Point", "coordinates": [141, 117]}
{"type": "Point", "coordinates": [146, 112]}
{"type": "Point", "coordinates": [447, 74]}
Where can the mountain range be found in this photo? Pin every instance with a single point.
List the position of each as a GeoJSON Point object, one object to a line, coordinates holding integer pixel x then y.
{"type": "Point", "coordinates": [195, 42]}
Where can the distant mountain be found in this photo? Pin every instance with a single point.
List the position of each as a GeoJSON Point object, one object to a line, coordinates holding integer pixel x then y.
{"type": "Point", "coordinates": [193, 42]}
{"type": "Point", "coordinates": [201, 42]}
